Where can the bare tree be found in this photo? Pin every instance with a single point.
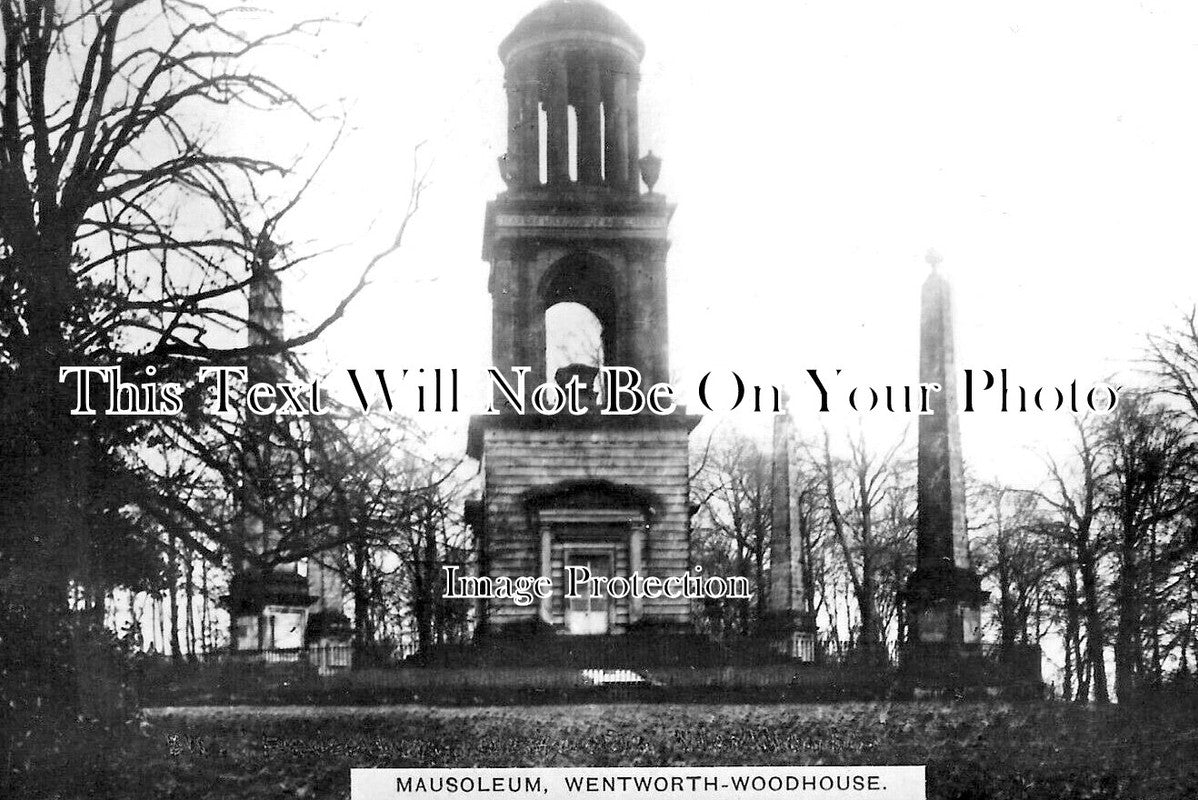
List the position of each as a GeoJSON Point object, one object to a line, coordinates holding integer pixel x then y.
{"type": "Point", "coordinates": [810, 518]}
{"type": "Point", "coordinates": [1016, 551]}
{"type": "Point", "coordinates": [871, 526]}
{"type": "Point", "coordinates": [735, 491]}
{"type": "Point", "coordinates": [128, 237]}
{"type": "Point", "coordinates": [1076, 500]}
{"type": "Point", "coordinates": [1173, 358]}
{"type": "Point", "coordinates": [1149, 482]}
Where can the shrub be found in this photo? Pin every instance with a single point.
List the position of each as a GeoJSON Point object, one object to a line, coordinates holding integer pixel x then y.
{"type": "Point", "coordinates": [67, 702]}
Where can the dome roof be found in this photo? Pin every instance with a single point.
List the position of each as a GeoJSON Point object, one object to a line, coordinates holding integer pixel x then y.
{"type": "Point", "coordinates": [563, 17]}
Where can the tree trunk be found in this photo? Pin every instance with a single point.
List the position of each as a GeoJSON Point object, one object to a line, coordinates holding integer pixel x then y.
{"type": "Point", "coordinates": [1094, 633]}
{"type": "Point", "coordinates": [865, 603]}
{"type": "Point", "coordinates": [173, 589]}
{"type": "Point", "coordinates": [135, 624]}
{"type": "Point", "coordinates": [1154, 606]}
{"type": "Point", "coordinates": [868, 597]}
{"type": "Point", "coordinates": [420, 605]}
{"type": "Point", "coordinates": [759, 568]}
{"type": "Point", "coordinates": [1007, 632]}
{"type": "Point", "coordinates": [188, 611]}
{"type": "Point", "coordinates": [1071, 644]}
{"type": "Point", "coordinates": [205, 615]}
{"type": "Point", "coordinates": [43, 537]}
{"type": "Point", "coordinates": [807, 564]}
{"type": "Point", "coordinates": [361, 598]}
{"type": "Point", "coordinates": [1127, 634]}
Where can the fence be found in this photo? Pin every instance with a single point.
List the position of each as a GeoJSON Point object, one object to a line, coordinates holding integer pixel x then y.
{"type": "Point", "coordinates": [804, 647]}
{"type": "Point", "coordinates": [233, 683]}
{"type": "Point", "coordinates": [744, 669]}
{"type": "Point", "coordinates": [799, 646]}
{"type": "Point", "coordinates": [832, 650]}
{"type": "Point", "coordinates": [1010, 662]}
{"type": "Point", "coordinates": [326, 657]}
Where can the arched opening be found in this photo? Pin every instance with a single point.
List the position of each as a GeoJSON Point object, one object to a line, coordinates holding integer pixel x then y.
{"type": "Point", "coordinates": [603, 142]}
{"type": "Point", "coordinates": [542, 144]}
{"type": "Point", "coordinates": [572, 141]}
{"type": "Point", "coordinates": [573, 335]}
{"type": "Point", "coordinates": [578, 295]}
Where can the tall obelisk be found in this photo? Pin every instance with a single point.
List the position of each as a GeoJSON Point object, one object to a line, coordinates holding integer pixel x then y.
{"type": "Point", "coordinates": [943, 595]}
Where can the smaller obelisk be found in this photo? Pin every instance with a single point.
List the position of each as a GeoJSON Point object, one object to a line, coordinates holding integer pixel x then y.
{"type": "Point", "coordinates": [943, 595]}
{"type": "Point", "coordinates": [267, 605]}
{"type": "Point", "coordinates": [788, 619]}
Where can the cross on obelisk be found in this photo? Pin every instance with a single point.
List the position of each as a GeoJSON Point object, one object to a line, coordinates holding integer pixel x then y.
{"type": "Point", "coordinates": [934, 259]}
{"type": "Point", "coordinates": [943, 594]}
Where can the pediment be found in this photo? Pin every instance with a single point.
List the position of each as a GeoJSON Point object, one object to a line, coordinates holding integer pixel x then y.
{"type": "Point", "coordinates": [592, 494]}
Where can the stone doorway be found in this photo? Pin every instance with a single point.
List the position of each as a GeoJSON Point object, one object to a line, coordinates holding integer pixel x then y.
{"type": "Point", "coordinates": [589, 614]}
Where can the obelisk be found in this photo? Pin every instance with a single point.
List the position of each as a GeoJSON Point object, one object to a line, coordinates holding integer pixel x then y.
{"type": "Point", "coordinates": [267, 605]}
{"type": "Point", "coordinates": [943, 595]}
{"type": "Point", "coordinates": [788, 617]}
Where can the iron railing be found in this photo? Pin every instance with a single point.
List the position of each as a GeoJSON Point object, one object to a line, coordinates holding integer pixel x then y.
{"type": "Point", "coordinates": [324, 656]}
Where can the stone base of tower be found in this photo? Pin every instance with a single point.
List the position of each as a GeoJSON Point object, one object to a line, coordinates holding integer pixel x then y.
{"type": "Point", "coordinates": [791, 634]}
{"type": "Point", "coordinates": [944, 605]}
{"type": "Point", "coordinates": [269, 610]}
{"type": "Point", "coordinates": [978, 671]}
{"type": "Point", "coordinates": [944, 653]}
{"type": "Point", "coordinates": [605, 496]}
{"type": "Point", "coordinates": [943, 648]}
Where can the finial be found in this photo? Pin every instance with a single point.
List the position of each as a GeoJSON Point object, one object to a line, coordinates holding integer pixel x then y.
{"type": "Point", "coordinates": [264, 250]}
{"type": "Point", "coordinates": [934, 259]}
{"type": "Point", "coordinates": [650, 170]}
{"type": "Point", "coordinates": [507, 170]}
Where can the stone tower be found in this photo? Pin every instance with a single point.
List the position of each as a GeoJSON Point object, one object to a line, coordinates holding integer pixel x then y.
{"type": "Point", "coordinates": [578, 282]}
{"type": "Point", "coordinates": [944, 594]}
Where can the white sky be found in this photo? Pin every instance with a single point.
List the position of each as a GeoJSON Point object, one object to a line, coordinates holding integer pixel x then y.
{"type": "Point", "coordinates": [1049, 152]}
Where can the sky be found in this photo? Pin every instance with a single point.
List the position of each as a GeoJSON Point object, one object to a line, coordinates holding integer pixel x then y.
{"type": "Point", "coordinates": [816, 152]}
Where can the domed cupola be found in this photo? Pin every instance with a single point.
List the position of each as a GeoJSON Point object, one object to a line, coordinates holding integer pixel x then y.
{"type": "Point", "coordinates": [571, 70]}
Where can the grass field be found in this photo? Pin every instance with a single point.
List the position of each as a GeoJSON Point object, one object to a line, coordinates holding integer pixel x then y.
{"type": "Point", "coordinates": [988, 750]}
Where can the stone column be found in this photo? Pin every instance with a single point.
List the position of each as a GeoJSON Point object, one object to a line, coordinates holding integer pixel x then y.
{"type": "Point", "coordinates": [522, 144]}
{"type": "Point", "coordinates": [503, 310]}
{"type": "Point", "coordinates": [557, 118]}
{"type": "Point", "coordinates": [783, 577]}
{"type": "Point", "coordinates": [788, 619]}
{"type": "Point", "coordinates": [590, 126]}
{"type": "Point", "coordinates": [515, 127]}
{"type": "Point", "coordinates": [530, 143]}
{"type": "Point", "coordinates": [264, 317]}
{"type": "Point", "coordinates": [941, 488]}
{"type": "Point", "coordinates": [617, 131]}
{"type": "Point", "coordinates": [633, 127]}
{"type": "Point", "coordinates": [547, 572]}
{"type": "Point", "coordinates": [532, 323]}
{"type": "Point", "coordinates": [636, 553]}
{"type": "Point", "coordinates": [655, 345]}
{"type": "Point", "coordinates": [634, 313]}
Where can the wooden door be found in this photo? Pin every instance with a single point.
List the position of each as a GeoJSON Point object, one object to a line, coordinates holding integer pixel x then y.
{"type": "Point", "coordinates": [590, 612]}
